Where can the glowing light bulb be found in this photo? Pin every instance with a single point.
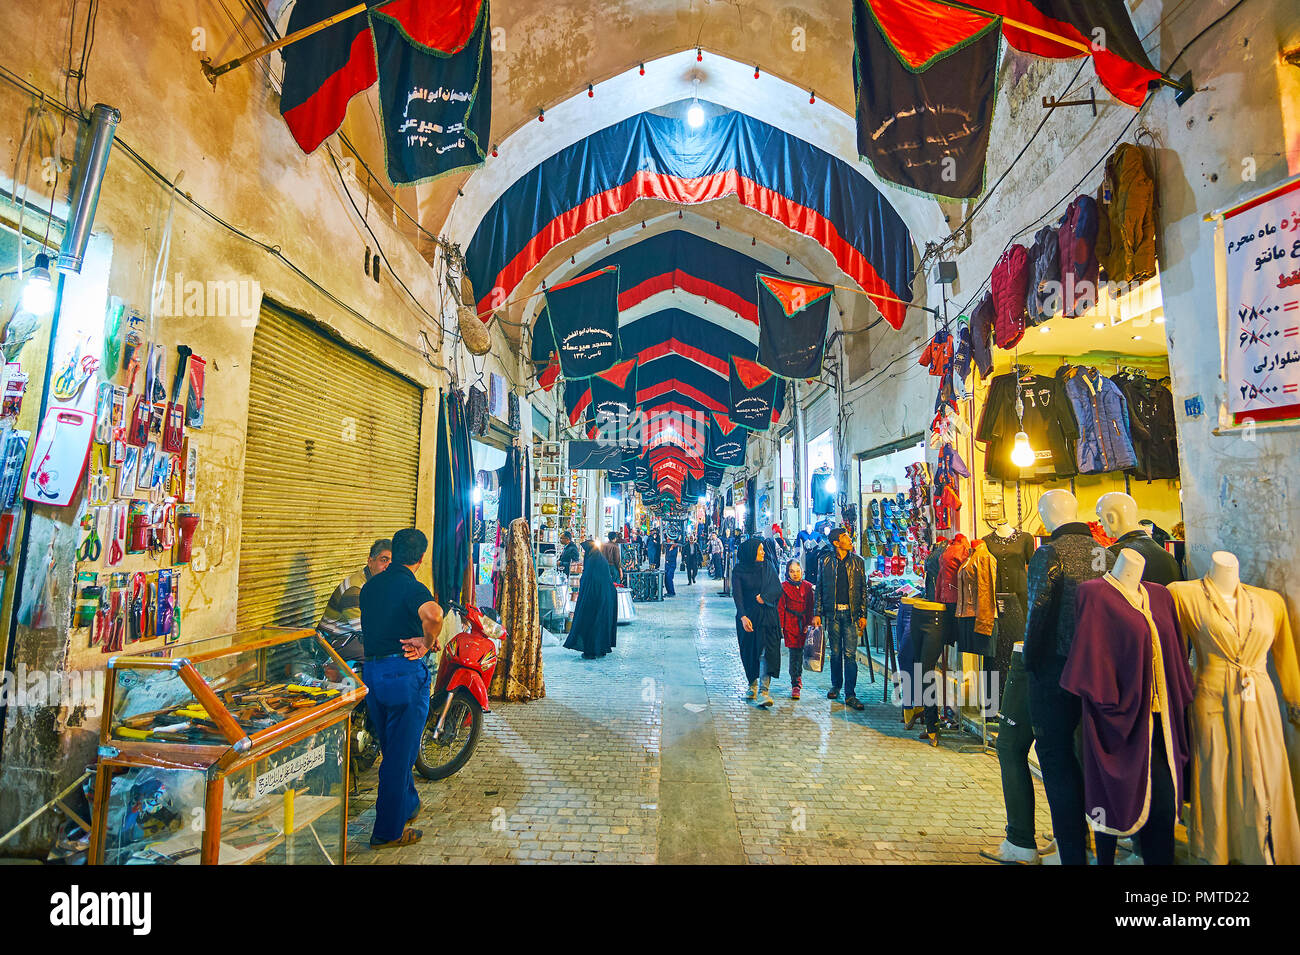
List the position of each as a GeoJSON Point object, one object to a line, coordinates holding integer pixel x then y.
{"type": "Point", "coordinates": [477, 495]}
{"type": "Point", "coordinates": [695, 116]}
{"type": "Point", "coordinates": [832, 485]}
{"type": "Point", "coordinates": [1022, 454]}
{"type": "Point", "coordinates": [38, 291]}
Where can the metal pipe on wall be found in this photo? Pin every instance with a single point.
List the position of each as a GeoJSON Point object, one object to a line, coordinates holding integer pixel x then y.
{"type": "Point", "coordinates": [103, 128]}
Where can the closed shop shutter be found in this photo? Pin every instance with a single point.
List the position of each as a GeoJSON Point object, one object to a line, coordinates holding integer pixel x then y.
{"type": "Point", "coordinates": [331, 464]}
{"type": "Point", "coordinates": [820, 415]}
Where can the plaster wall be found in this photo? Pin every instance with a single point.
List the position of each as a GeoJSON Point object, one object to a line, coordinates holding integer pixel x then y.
{"type": "Point", "coordinates": [241, 165]}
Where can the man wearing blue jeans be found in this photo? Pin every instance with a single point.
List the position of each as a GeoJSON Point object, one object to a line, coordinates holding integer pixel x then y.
{"type": "Point", "coordinates": [400, 622]}
{"type": "Point", "coordinates": [841, 601]}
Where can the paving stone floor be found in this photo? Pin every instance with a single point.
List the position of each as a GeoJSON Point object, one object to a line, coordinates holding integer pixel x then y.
{"type": "Point", "coordinates": [651, 755]}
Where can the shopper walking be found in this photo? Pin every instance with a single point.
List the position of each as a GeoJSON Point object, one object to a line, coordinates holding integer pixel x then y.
{"type": "Point", "coordinates": [671, 551]}
{"type": "Point", "coordinates": [715, 555]}
{"type": "Point", "coordinates": [652, 549]}
{"type": "Point", "coordinates": [841, 602]}
{"type": "Point", "coordinates": [595, 615]}
{"type": "Point", "coordinates": [757, 592]}
{"type": "Point", "coordinates": [400, 622]}
{"type": "Point", "coordinates": [795, 611]}
{"type": "Point", "coordinates": [693, 556]}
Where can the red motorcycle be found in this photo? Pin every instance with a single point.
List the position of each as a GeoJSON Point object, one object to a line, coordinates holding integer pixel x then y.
{"type": "Point", "coordinates": [460, 695]}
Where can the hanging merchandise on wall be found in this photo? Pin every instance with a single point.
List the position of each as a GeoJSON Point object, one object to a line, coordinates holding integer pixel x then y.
{"type": "Point", "coordinates": [60, 456]}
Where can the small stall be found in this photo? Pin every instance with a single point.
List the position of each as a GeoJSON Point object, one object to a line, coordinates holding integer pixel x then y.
{"type": "Point", "coordinates": [236, 753]}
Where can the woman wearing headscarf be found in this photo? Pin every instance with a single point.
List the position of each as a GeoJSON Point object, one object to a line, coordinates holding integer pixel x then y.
{"type": "Point", "coordinates": [595, 616]}
{"type": "Point", "coordinates": [652, 551]}
{"type": "Point", "coordinates": [757, 591]}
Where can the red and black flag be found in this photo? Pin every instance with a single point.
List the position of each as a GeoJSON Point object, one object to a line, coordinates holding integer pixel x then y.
{"type": "Point", "coordinates": [925, 126]}
{"type": "Point", "coordinates": [613, 394]}
{"type": "Point", "coordinates": [753, 394]}
{"type": "Point", "coordinates": [407, 46]}
{"type": "Point", "coordinates": [727, 442]}
{"type": "Point", "coordinates": [954, 106]}
{"type": "Point", "coordinates": [583, 316]}
{"type": "Point", "coordinates": [792, 319]}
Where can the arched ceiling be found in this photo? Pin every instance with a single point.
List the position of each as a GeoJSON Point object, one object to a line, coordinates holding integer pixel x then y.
{"type": "Point", "coordinates": [667, 329]}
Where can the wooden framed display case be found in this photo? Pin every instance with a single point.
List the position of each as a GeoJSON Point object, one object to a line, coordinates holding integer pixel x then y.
{"type": "Point", "coordinates": [233, 752]}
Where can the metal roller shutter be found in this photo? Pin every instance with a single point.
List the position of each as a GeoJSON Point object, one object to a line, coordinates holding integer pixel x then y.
{"type": "Point", "coordinates": [331, 464]}
{"type": "Point", "coordinates": [820, 415]}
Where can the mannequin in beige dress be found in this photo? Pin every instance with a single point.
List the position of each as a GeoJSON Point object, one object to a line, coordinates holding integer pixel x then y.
{"type": "Point", "coordinates": [1242, 789]}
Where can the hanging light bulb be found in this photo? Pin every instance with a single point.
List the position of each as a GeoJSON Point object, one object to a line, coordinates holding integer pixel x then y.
{"type": "Point", "coordinates": [695, 116]}
{"type": "Point", "coordinates": [38, 292]}
{"type": "Point", "coordinates": [832, 486]}
{"type": "Point", "coordinates": [1022, 453]}
{"type": "Point", "coordinates": [477, 495]}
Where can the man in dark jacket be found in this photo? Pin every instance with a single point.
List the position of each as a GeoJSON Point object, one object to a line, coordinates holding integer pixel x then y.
{"type": "Point", "coordinates": [841, 601]}
{"type": "Point", "coordinates": [569, 554]}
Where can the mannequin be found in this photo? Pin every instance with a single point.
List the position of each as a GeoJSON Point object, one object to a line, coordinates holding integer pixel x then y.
{"type": "Point", "coordinates": [1225, 575]}
{"type": "Point", "coordinates": [1243, 787]}
{"type": "Point", "coordinates": [1056, 570]}
{"type": "Point", "coordinates": [1128, 665]}
{"type": "Point", "coordinates": [1127, 571]}
{"type": "Point", "coordinates": [1004, 530]}
{"type": "Point", "coordinates": [1118, 513]}
{"type": "Point", "coordinates": [1057, 507]}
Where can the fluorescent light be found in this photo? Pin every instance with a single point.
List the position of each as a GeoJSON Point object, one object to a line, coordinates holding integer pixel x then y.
{"type": "Point", "coordinates": [1099, 325]}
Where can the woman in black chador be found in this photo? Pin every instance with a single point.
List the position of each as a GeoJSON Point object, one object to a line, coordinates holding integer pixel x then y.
{"type": "Point", "coordinates": [756, 590]}
{"type": "Point", "coordinates": [595, 616]}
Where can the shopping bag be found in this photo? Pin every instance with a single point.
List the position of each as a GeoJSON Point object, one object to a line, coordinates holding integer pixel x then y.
{"type": "Point", "coordinates": [814, 649]}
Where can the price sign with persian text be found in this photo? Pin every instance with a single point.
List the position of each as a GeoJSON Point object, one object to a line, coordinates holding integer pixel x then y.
{"type": "Point", "coordinates": [1262, 244]}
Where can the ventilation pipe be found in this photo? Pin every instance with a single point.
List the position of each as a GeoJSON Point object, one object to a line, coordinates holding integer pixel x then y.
{"type": "Point", "coordinates": [103, 127]}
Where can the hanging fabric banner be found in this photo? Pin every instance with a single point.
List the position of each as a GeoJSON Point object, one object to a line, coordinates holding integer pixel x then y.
{"type": "Point", "coordinates": [792, 320]}
{"type": "Point", "coordinates": [726, 442]}
{"type": "Point", "coordinates": [323, 71]}
{"type": "Point", "coordinates": [584, 323]}
{"type": "Point", "coordinates": [925, 126]}
{"type": "Point", "coordinates": [435, 108]}
{"type": "Point", "coordinates": [753, 394]}
{"type": "Point", "coordinates": [713, 475]}
{"type": "Point", "coordinates": [613, 402]}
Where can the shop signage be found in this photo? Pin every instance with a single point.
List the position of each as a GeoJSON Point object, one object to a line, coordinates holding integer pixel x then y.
{"type": "Point", "coordinates": [1262, 245]}
{"type": "Point", "coordinates": [273, 779]}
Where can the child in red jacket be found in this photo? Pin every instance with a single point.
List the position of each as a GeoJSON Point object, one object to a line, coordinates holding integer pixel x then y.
{"type": "Point", "coordinates": [795, 610]}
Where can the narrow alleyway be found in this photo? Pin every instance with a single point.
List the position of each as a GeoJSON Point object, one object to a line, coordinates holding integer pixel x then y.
{"type": "Point", "coordinates": [651, 755]}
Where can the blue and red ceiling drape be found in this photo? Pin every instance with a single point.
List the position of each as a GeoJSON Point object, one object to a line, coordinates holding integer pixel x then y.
{"type": "Point", "coordinates": [654, 156]}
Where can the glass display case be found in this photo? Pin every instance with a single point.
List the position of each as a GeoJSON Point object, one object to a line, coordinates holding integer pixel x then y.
{"type": "Point", "coordinates": [233, 752]}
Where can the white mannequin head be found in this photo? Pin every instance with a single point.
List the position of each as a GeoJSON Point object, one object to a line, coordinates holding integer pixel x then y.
{"type": "Point", "coordinates": [1118, 513]}
{"type": "Point", "coordinates": [1056, 508]}
{"type": "Point", "coordinates": [1128, 569]}
{"type": "Point", "coordinates": [1225, 573]}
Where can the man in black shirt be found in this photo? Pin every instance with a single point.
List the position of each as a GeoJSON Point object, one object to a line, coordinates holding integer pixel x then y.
{"type": "Point", "coordinates": [570, 555]}
{"type": "Point", "coordinates": [400, 622]}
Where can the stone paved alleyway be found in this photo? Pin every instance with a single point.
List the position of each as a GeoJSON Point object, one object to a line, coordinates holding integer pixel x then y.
{"type": "Point", "coordinates": [651, 755]}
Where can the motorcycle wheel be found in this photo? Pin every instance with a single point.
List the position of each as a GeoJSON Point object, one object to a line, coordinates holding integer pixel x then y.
{"type": "Point", "coordinates": [365, 745]}
{"type": "Point", "coordinates": [440, 758]}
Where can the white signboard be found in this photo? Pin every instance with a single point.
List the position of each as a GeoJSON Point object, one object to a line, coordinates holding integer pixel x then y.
{"type": "Point", "coordinates": [273, 779]}
{"type": "Point", "coordinates": [1262, 242]}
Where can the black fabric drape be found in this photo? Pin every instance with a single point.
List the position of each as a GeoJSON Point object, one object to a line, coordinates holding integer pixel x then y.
{"type": "Point", "coordinates": [452, 501]}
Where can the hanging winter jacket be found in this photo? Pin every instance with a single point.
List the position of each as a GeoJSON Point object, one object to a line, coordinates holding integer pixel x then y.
{"type": "Point", "coordinates": [1010, 286]}
{"type": "Point", "coordinates": [981, 330]}
{"type": "Point", "coordinates": [1044, 298]}
{"type": "Point", "coordinates": [1048, 421]}
{"type": "Point", "coordinates": [1102, 412]}
{"type": "Point", "coordinates": [1126, 248]}
{"type": "Point", "coordinates": [1077, 240]}
{"type": "Point", "coordinates": [938, 354]}
{"type": "Point", "coordinates": [1151, 425]}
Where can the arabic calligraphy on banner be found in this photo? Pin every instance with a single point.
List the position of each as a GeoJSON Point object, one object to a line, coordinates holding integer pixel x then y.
{"type": "Point", "coordinates": [1262, 242]}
